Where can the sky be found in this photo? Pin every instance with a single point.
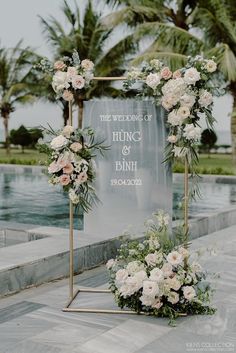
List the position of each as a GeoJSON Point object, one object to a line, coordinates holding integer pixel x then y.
{"type": "Point", "coordinates": [19, 20]}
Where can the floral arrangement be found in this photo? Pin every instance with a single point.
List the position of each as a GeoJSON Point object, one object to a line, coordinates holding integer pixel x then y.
{"type": "Point", "coordinates": [71, 155]}
{"type": "Point", "coordinates": [159, 276]}
{"type": "Point", "coordinates": [68, 74]}
{"type": "Point", "coordinates": [186, 94]}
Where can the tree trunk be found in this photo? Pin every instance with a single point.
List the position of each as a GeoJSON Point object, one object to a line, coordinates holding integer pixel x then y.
{"type": "Point", "coordinates": [5, 123]}
{"type": "Point", "coordinates": [233, 126]}
{"type": "Point", "coordinates": [81, 111]}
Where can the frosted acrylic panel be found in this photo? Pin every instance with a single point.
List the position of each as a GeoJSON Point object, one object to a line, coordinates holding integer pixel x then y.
{"type": "Point", "coordinates": [132, 182]}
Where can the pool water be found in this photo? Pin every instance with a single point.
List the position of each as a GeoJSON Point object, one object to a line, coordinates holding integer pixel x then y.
{"type": "Point", "coordinates": [27, 198]}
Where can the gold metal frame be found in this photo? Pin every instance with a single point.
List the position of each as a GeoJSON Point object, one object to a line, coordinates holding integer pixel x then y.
{"type": "Point", "coordinates": [73, 294]}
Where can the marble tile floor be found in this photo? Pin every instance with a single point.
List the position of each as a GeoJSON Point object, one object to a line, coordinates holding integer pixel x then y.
{"type": "Point", "coordinates": [32, 321]}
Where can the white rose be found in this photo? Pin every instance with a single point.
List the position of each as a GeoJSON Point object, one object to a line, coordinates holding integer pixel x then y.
{"type": "Point", "coordinates": [58, 142]}
{"type": "Point", "coordinates": [211, 66]}
{"type": "Point", "coordinates": [67, 131]}
{"type": "Point", "coordinates": [150, 288]}
{"type": "Point", "coordinates": [110, 263]}
{"type": "Point", "coordinates": [173, 297]}
{"type": "Point", "coordinates": [121, 276]}
{"type": "Point", "coordinates": [60, 81]}
{"type": "Point", "coordinates": [167, 269]}
{"type": "Point", "coordinates": [205, 98]}
{"type": "Point", "coordinates": [172, 138]}
{"type": "Point", "coordinates": [184, 252]}
{"type": "Point", "coordinates": [141, 276]}
{"type": "Point", "coordinates": [134, 266]}
{"type": "Point", "coordinates": [153, 259]}
{"type": "Point", "coordinates": [153, 80]}
{"type": "Point", "coordinates": [156, 275]}
{"type": "Point", "coordinates": [71, 72]}
{"type": "Point", "coordinates": [87, 64]}
{"type": "Point", "coordinates": [168, 101]}
{"type": "Point", "coordinates": [191, 76]}
{"type": "Point", "coordinates": [173, 283]}
{"type": "Point", "coordinates": [157, 304]}
{"type": "Point", "coordinates": [147, 300]}
{"type": "Point", "coordinates": [78, 82]}
{"type": "Point", "coordinates": [192, 132]}
{"type": "Point", "coordinates": [189, 292]}
{"type": "Point", "coordinates": [180, 152]}
{"type": "Point", "coordinates": [187, 100]}
{"type": "Point", "coordinates": [131, 286]}
{"type": "Point", "coordinates": [174, 258]}
{"type": "Point", "coordinates": [183, 112]}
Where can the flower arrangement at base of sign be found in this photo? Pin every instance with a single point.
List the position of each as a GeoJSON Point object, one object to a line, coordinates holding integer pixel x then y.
{"type": "Point", "coordinates": [159, 276]}
{"type": "Point", "coordinates": [71, 155]}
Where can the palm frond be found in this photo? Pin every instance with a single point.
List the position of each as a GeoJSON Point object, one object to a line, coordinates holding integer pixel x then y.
{"type": "Point", "coordinates": [226, 60]}
{"type": "Point", "coordinates": [173, 60]}
{"type": "Point", "coordinates": [167, 35]}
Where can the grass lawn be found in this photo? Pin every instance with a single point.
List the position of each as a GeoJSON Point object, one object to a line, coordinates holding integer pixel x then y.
{"type": "Point", "coordinates": [213, 164]}
{"type": "Point", "coordinates": [29, 157]}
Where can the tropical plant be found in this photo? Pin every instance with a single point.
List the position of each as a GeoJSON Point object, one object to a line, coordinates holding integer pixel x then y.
{"type": "Point", "coordinates": [21, 137]}
{"type": "Point", "coordinates": [89, 37]}
{"type": "Point", "coordinates": [208, 139]}
{"type": "Point", "coordinates": [187, 28]}
{"type": "Point", "coordinates": [16, 82]}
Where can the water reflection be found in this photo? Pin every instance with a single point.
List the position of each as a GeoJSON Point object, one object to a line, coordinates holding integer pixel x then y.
{"type": "Point", "coordinates": [30, 199]}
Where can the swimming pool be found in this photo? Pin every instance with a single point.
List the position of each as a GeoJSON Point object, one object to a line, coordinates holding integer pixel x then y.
{"type": "Point", "coordinates": [28, 198]}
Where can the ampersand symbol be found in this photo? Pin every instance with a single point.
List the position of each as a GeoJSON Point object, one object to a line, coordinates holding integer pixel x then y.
{"type": "Point", "coordinates": [126, 150]}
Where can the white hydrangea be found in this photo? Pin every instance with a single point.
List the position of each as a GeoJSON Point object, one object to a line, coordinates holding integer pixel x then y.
{"type": "Point", "coordinates": [134, 266]}
{"type": "Point", "coordinates": [175, 87]}
{"type": "Point", "coordinates": [187, 100]}
{"type": "Point", "coordinates": [192, 132]}
{"type": "Point", "coordinates": [175, 119]}
{"type": "Point", "coordinates": [180, 152]}
{"type": "Point", "coordinates": [191, 76]}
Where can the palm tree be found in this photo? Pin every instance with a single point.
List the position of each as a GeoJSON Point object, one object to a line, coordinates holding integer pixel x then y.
{"type": "Point", "coordinates": [89, 37]}
{"type": "Point", "coordinates": [189, 27]}
{"type": "Point", "coordinates": [16, 82]}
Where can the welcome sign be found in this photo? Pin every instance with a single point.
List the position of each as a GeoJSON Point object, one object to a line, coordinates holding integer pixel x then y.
{"type": "Point", "coordinates": [132, 181]}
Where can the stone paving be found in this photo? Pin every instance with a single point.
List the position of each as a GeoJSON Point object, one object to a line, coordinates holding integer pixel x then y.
{"type": "Point", "coordinates": [32, 321]}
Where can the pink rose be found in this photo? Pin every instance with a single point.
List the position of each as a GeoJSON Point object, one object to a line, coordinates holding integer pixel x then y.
{"type": "Point", "coordinates": [67, 95]}
{"type": "Point", "coordinates": [82, 178]}
{"type": "Point", "coordinates": [157, 304]}
{"type": "Point", "coordinates": [78, 82]}
{"type": "Point", "coordinates": [59, 65]}
{"type": "Point", "coordinates": [177, 74]}
{"type": "Point", "coordinates": [53, 168]}
{"type": "Point", "coordinates": [68, 169]}
{"type": "Point", "coordinates": [76, 146]}
{"type": "Point", "coordinates": [64, 179]}
{"type": "Point", "coordinates": [166, 73]}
